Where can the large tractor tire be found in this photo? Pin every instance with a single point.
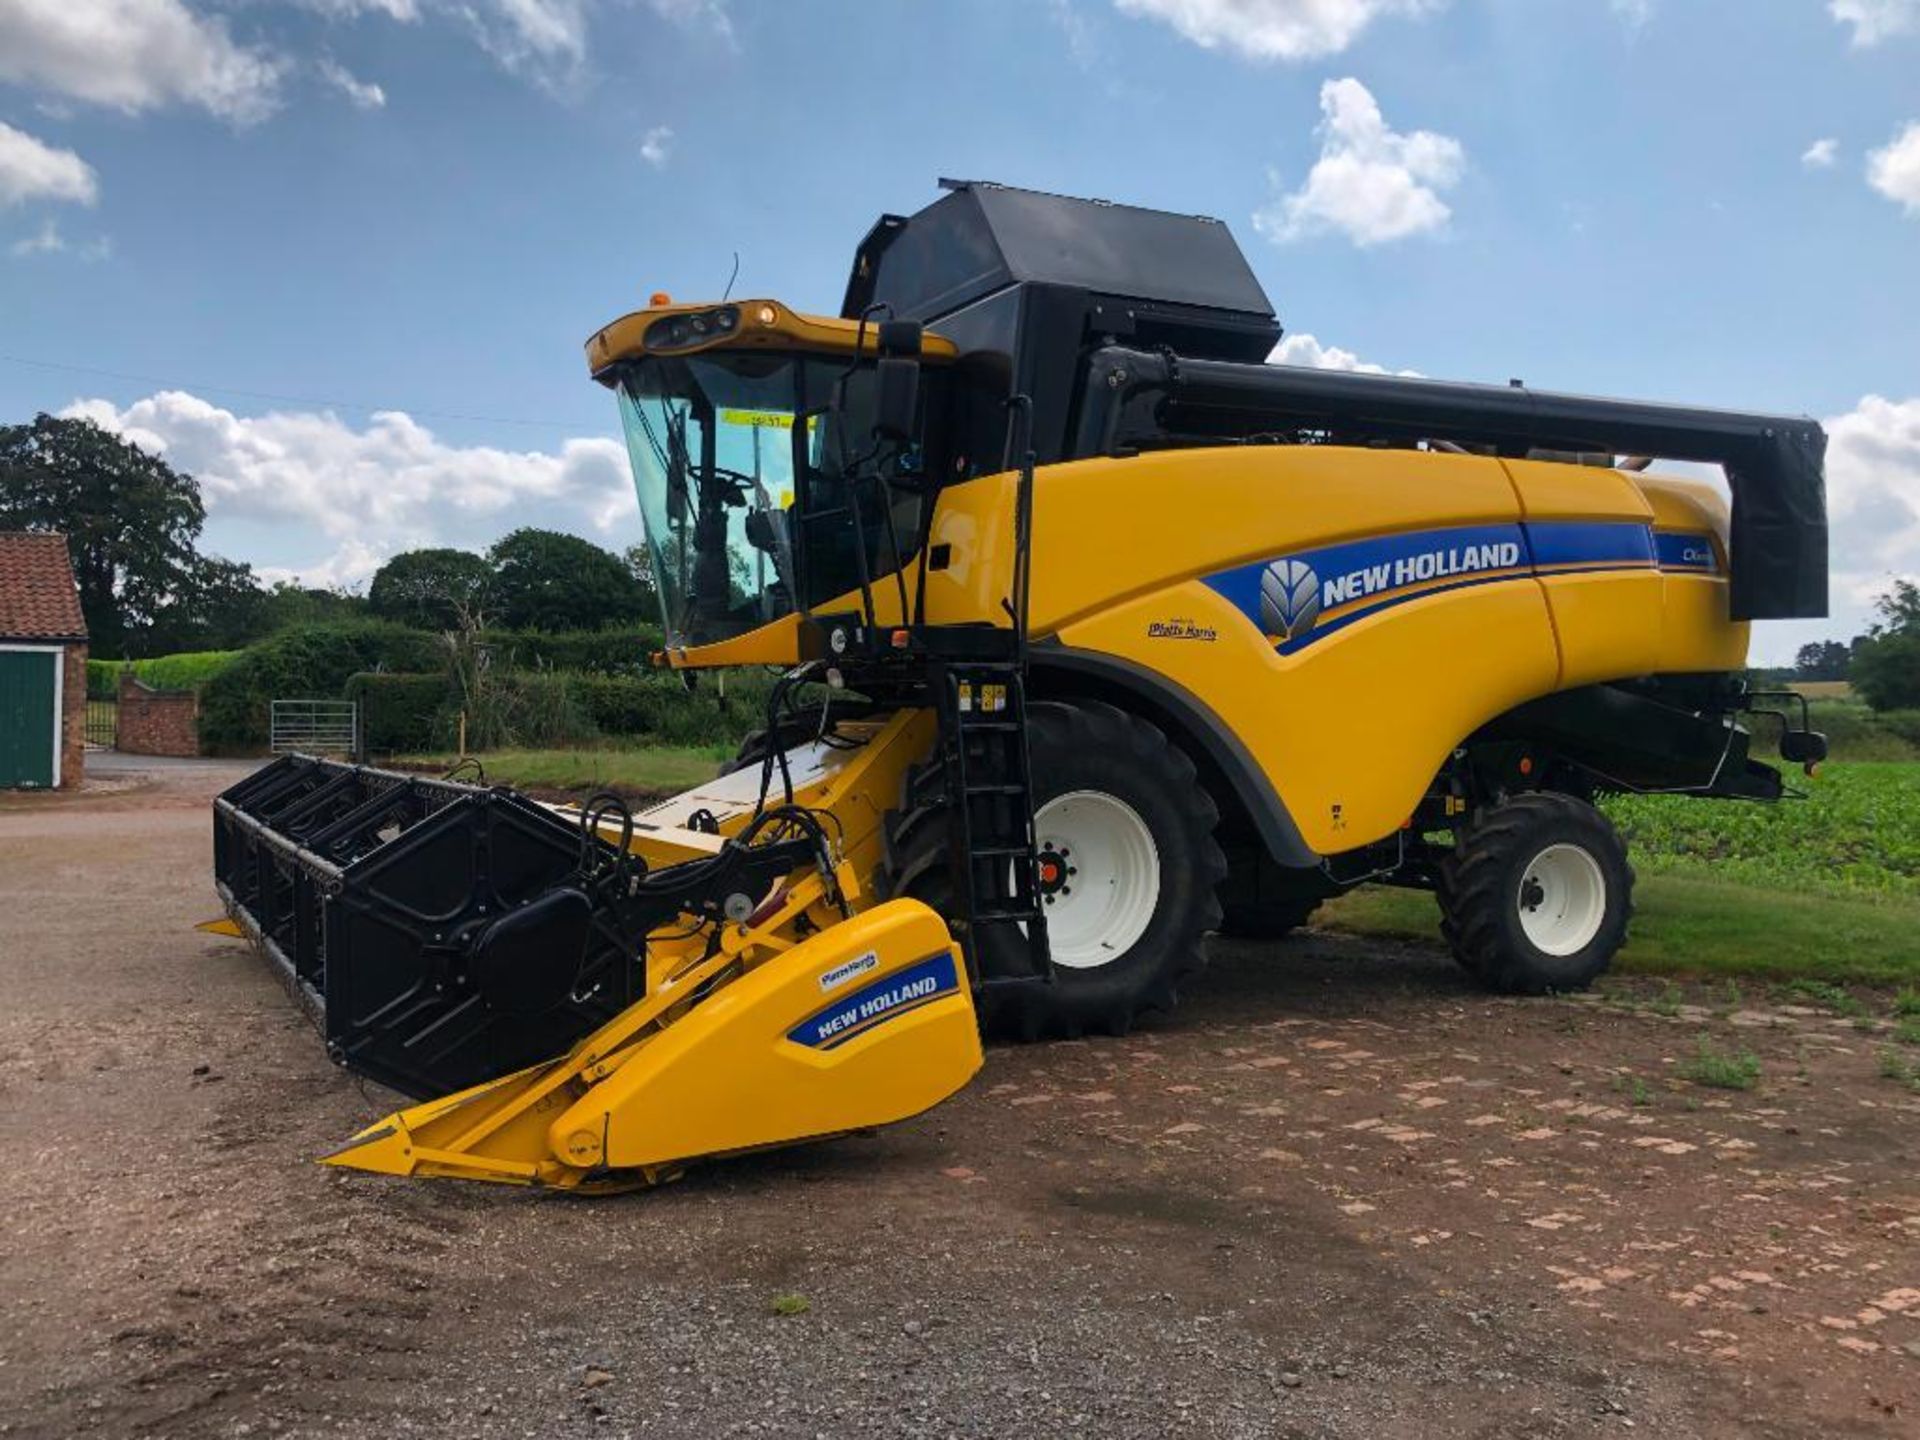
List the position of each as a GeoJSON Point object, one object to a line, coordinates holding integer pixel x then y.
{"type": "Point", "coordinates": [1265, 919]}
{"type": "Point", "coordinates": [1122, 816]}
{"type": "Point", "coordinates": [1536, 895]}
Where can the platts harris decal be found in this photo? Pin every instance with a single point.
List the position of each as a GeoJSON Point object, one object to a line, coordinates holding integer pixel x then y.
{"type": "Point", "coordinates": [1296, 599]}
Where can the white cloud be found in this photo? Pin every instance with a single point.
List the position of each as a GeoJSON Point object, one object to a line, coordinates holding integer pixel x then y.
{"type": "Point", "coordinates": [1303, 349]}
{"type": "Point", "coordinates": [1821, 154]}
{"type": "Point", "coordinates": [1876, 20]}
{"type": "Point", "coordinates": [1634, 12]}
{"type": "Point", "coordinates": [406, 12]}
{"type": "Point", "coordinates": [1371, 184]}
{"type": "Point", "coordinates": [363, 93]}
{"type": "Point", "coordinates": [1272, 29]}
{"type": "Point", "coordinates": [47, 240]}
{"type": "Point", "coordinates": [656, 146]}
{"type": "Point", "coordinates": [1895, 170]}
{"type": "Point", "coordinates": [1873, 501]}
{"type": "Point", "coordinates": [357, 495]}
{"type": "Point", "coordinates": [136, 55]}
{"type": "Point", "coordinates": [31, 169]}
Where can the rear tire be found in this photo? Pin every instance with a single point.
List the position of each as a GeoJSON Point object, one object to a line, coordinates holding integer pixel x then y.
{"type": "Point", "coordinates": [1265, 919]}
{"type": "Point", "coordinates": [1536, 896]}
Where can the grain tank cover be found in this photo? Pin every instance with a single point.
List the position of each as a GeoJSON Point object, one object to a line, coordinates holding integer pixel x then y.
{"type": "Point", "coordinates": [1165, 278]}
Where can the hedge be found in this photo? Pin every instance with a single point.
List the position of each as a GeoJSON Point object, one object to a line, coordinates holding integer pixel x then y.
{"type": "Point", "coordinates": [402, 713]}
{"type": "Point", "coordinates": [188, 670]}
{"type": "Point", "coordinates": [299, 663]}
{"type": "Point", "coordinates": [595, 652]}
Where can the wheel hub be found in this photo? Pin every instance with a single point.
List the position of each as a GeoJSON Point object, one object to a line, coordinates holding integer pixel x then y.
{"type": "Point", "coordinates": [1099, 876]}
{"type": "Point", "coordinates": [1562, 899]}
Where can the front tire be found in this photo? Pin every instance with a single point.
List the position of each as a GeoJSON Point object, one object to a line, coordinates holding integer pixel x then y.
{"type": "Point", "coordinates": [1122, 808]}
{"type": "Point", "coordinates": [1536, 896]}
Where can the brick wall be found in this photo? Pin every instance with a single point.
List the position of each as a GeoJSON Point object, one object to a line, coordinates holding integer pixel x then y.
{"type": "Point", "coordinates": [157, 722]}
{"type": "Point", "coordinates": [73, 718]}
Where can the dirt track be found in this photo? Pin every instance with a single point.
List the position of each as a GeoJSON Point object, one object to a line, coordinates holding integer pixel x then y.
{"type": "Point", "coordinates": [1338, 1194]}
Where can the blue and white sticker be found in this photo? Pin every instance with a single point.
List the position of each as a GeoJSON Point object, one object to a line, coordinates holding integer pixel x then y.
{"type": "Point", "coordinates": [849, 970]}
{"type": "Point", "coordinates": [1681, 550]}
{"type": "Point", "coordinates": [885, 999]}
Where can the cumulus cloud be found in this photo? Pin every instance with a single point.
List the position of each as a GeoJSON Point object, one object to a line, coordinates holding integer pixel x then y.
{"type": "Point", "coordinates": [31, 169]}
{"type": "Point", "coordinates": [1895, 170]}
{"type": "Point", "coordinates": [406, 12]}
{"type": "Point", "coordinates": [1371, 183]}
{"type": "Point", "coordinates": [1876, 20]}
{"type": "Point", "coordinates": [656, 146]}
{"type": "Point", "coordinates": [1873, 495]}
{"type": "Point", "coordinates": [364, 94]}
{"type": "Point", "coordinates": [135, 55]}
{"type": "Point", "coordinates": [359, 494]}
{"type": "Point", "coordinates": [1821, 154]}
{"type": "Point", "coordinates": [1272, 29]}
{"type": "Point", "coordinates": [1305, 350]}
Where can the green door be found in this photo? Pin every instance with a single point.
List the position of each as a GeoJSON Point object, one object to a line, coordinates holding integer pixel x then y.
{"type": "Point", "coordinates": [26, 716]}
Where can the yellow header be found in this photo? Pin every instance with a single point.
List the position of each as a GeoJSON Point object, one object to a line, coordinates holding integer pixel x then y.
{"type": "Point", "coordinates": [751, 324]}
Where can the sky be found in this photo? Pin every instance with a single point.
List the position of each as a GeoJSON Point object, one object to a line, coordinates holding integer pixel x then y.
{"type": "Point", "coordinates": [337, 258]}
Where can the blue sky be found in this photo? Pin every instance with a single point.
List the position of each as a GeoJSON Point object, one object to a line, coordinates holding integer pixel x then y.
{"type": "Point", "coordinates": [339, 256]}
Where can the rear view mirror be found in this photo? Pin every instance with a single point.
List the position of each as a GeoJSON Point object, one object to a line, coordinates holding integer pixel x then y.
{"type": "Point", "coordinates": [897, 380]}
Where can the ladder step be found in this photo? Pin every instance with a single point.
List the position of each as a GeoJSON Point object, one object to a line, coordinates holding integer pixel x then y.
{"type": "Point", "coordinates": [1006, 788]}
{"type": "Point", "coordinates": [1009, 982]}
{"type": "Point", "coordinates": [993, 852]}
{"type": "Point", "coordinates": [972, 726]}
{"type": "Point", "coordinates": [1005, 917]}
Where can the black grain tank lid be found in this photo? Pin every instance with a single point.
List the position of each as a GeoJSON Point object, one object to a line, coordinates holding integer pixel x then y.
{"type": "Point", "coordinates": [981, 238]}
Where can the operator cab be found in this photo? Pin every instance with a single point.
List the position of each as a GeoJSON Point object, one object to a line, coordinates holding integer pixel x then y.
{"type": "Point", "coordinates": [755, 435]}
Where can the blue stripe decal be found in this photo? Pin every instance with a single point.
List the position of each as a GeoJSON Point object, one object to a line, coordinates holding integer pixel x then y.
{"type": "Point", "coordinates": [1299, 598]}
{"type": "Point", "coordinates": [871, 1005]}
{"type": "Point", "coordinates": [1686, 551]}
{"type": "Point", "coordinates": [1557, 544]}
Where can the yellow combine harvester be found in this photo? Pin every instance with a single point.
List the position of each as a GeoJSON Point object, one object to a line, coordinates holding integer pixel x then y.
{"type": "Point", "coordinates": [1097, 635]}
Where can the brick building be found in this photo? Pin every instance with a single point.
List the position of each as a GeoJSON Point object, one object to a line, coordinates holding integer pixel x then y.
{"type": "Point", "coordinates": [43, 665]}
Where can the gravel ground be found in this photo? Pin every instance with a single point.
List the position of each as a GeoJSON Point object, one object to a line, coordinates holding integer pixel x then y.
{"type": "Point", "coordinates": [1338, 1194]}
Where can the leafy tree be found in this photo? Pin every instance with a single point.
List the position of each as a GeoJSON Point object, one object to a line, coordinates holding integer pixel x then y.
{"type": "Point", "coordinates": [219, 605]}
{"type": "Point", "coordinates": [1822, 660]}
{"type": "Point", "coordinates": [545, 580]}
{"type": "Point", "coordinates": [431, 589]}
{"type": "Point", "coordinates": [288, 604]}
{"type": "Point", "coordinates": [1886, 662]}
{"type": "Point", "coordinates": [131, 520]}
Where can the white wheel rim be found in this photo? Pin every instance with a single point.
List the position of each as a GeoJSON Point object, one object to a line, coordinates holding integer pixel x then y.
{"type": "Point", "coordinates": [1562, 900]}
{"type": "Point", "coordinates": [1107, 898]}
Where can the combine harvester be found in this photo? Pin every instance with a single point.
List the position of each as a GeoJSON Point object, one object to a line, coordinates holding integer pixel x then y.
{"type": "Point", "coordinates": [1098, 634]}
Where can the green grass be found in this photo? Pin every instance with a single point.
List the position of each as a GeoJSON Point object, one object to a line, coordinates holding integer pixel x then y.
{"type": "Point", "coordinates": [1738, 1071]}
{"type": "Point", "coordinates": [188, 670]}
{"type": "Point", "coordinates": [640, 770]}
{"type": "Point", "coordinates": [790, 1305]}
{"type": "Point", "coordinates": [1694, 924]}
{"type": "Point", "coordinates": [1826, 995]}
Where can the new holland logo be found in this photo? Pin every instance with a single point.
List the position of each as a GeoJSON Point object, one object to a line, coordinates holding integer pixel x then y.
{"type": "Point", "coordinates": [1289, 598]}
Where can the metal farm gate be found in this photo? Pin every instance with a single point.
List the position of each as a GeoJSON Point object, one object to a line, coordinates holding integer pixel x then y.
{"type": "Point", "coordinates": [315, 727]}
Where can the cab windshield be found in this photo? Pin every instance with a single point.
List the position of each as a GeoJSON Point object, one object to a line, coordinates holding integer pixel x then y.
{"type": "Point", "coordinates": [714, 451]}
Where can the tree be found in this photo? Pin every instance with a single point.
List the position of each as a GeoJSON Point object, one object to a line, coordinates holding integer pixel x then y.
{"type": "Point", "coordinates": [544, 580]}
{"type": "Point", "coordinates": [131, 520]}
{"type": "Point", "coordinates": [1886, 662]}
{"type": "Point", "coordinates": [1822, 660]}
{"type": "Point", "coordinates": [431, 589]}
{"type": "Point", "coordinates": [639, 560]}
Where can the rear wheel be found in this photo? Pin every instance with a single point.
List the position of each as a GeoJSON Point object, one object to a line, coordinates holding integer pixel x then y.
{"type": "Point", "coordinates": [1266, 919]}
{"type": "Point", "coordinates": [1536, 895]}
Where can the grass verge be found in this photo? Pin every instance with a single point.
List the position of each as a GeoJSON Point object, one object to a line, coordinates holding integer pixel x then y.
{"type": "Point", "coordinates": [1697, 924]}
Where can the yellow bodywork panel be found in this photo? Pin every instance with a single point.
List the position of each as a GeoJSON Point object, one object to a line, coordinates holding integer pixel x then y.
{"type": "Point", "coordinates": [1447, 589]}
{"type": "Point", "coordinates": [866, 1023]}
